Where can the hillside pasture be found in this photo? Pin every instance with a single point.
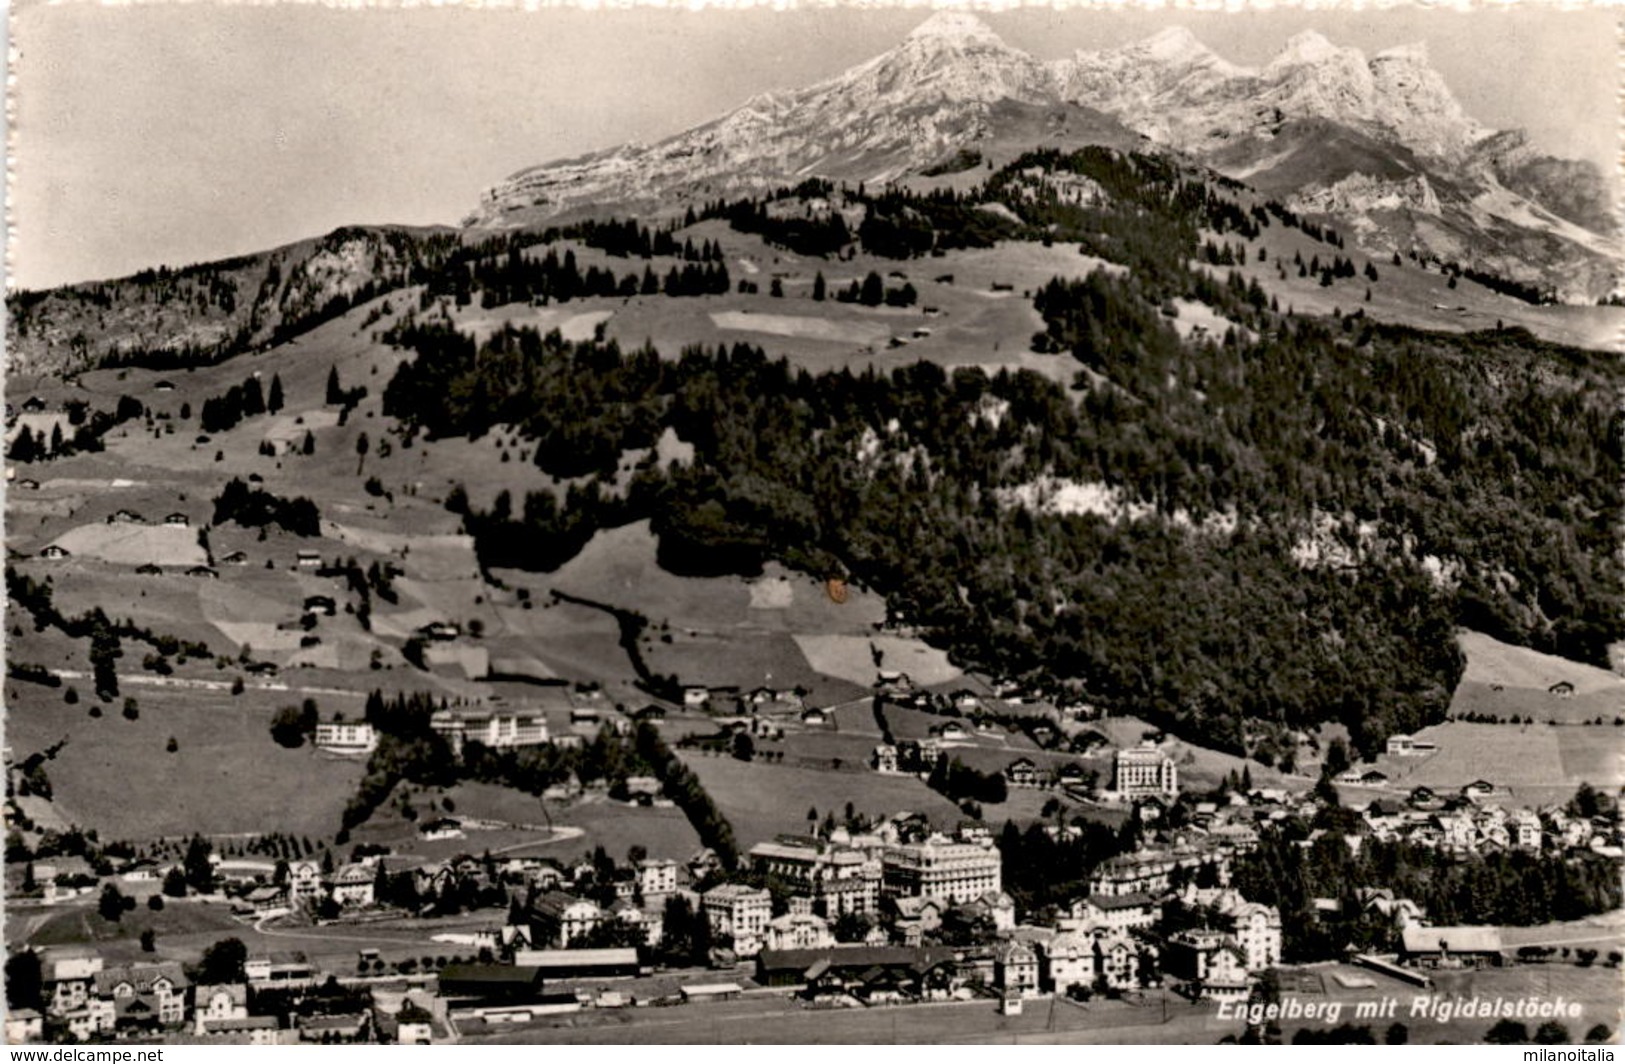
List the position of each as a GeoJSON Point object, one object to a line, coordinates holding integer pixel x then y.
{"type": "Point", "coordinates": [742, 659]}
{"type": "Point", "coordinates": [762, 800]}
{"type": "Point", "coordinates": [169, 604]}
{"type": "Point", "coordinates": [1507, 681]}
{"type": "Point", "coordinates": [227, 776]}
{"type": "Point", "coordinates": [1525, 760]}
{"type": "Point", "coordinates": [131, 544]}
{"type": "Point", "coordinates": [852, 658]}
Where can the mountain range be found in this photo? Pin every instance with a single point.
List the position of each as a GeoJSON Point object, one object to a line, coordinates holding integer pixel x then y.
{"type": "Point", "coordinates": [1378, 142]}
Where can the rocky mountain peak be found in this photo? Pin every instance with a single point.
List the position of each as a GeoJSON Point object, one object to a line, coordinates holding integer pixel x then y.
{"type": "Point", "coordinates": [1306, 49]}
{"type": "Point", "coordinates": [959, 27]}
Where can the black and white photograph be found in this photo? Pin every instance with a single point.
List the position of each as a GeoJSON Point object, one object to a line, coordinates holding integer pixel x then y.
{"type": "Point", "coordinates": [821, 524]}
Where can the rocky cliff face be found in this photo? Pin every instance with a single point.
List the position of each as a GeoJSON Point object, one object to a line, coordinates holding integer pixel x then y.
{"type": "Point", "coordinates": [1373, 140]}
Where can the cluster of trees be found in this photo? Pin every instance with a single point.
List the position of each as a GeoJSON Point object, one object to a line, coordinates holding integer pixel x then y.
{"type": "Point", "coordinates": [258, 508]}
{"type": "Point", "coordinates": [88, 429]}
{"type": "Point", "coordinates": [292, 725]}
{"type": "Point", "coordinates": [959, 782]}
{"type": "Point", "coordinates": [1496, 888]}
{"type": "Point", "coordinates": [811, 232]}
{"type": "Point", "coordinates": [1040, 871]}
{"type": "Point", "coordinates": [873, 292]}
{"type": "Point", "coordinates": [244, 400]}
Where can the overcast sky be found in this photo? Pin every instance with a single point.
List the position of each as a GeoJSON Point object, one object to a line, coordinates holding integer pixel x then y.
{"type": "Point", "coordinates": [175, 134]}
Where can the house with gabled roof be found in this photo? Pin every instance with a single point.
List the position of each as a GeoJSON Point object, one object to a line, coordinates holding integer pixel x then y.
{"type": "Point", "coordinates": [145, 994]}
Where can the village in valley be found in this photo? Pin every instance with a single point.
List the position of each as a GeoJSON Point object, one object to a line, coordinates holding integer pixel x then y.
{"type": "Point", "coordinates": [1054, 591]}
{"type": "Point", "coordinates": [893, 913]}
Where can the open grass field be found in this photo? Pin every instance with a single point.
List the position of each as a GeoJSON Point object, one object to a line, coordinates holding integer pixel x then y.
{"type": "Point", "coordinates": [227, 775]}
{"type": "Point", "coordinates": [852, 657]}
{"type": "Point", "coordinates": [762, 801]}
{"type": "Point", "coordinates": [1535, 763]}
{"type": "Point", "coordinates": [81, 925]}
{"type": "Point", "coordinates": [618, 567]}
{"type": "Point", "coordinates": [1505, 681]}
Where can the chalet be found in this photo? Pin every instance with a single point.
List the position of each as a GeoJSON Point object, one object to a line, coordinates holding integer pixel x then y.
{"type": "Point", "coordinates": [323, 604]}
{"type": "Point", "coordinates": [54, 552]}
{"type": "Point", "coordinates": [149, 569]}
{"type": "Point", "coordinates": [33, 405]}
{"type": "Point", "coordinates": [203, 571]}
{"type": "Point", "coordinates": [1562, 689]}
{"type": "Point", "coordinates": [225, 1001]}
{"type": "Point", "coordinates": [1022, 772]}
{"type": "Point", "coordinates": [126, 517]}
{"type": "Point", "coordinates": [28, 484]}
{"type": "Point", "coordinates": [1409, 746]}
{"type": "Point", "coordinates": [643, 787]}
{"type": "Point", "coordinates": [353, 885]}
{"type": "Point", "coordinates": [308, 559]}
{"type": "Point", "coordinates": [884, 759]}
{"type": "Point", "coordinates": [1450, 947]}
{"type": "Point", "coordinates": [164, 386]}
{"type": "Point", "coordinates": [178, 520]}
{"type": "Point", "coordinates": [650, 712]}
{"type": "Point", "coordinates": [264, 901]}
{"type": "Point", "coordinates": [1373, 778]}
{"type": "Point", "coordinates": [441, 828]}
{"type": "Point", "coordinates": [815, 717]}
{"type": "Point", "coordinates": [950, 730]}
{"type": "Point", "coordinates": [1015, 968]}
{"type": "Point", "coordinates": [696, 697]}
{"type": "Point", "coordinates": [236, 557]}
{"type": "Point", "coordinates": [1478, 790]}
{"type": "Point", "coordinates": [441, 631]}
{"type": "Point", "coordinates": [144, 995]}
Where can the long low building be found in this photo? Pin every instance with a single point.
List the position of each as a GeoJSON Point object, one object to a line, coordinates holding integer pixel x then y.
{"type": "Point", "coordinates": [1450, 947]}
{"type": "Point", "coordinates": [579, 963]}
{"type": "Point", "coordinates": [791, 967]}
{"type": "Point", "coordinates": [473, 984]}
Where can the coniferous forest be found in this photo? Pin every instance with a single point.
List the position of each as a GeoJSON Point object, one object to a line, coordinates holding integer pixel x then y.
{"type": "Point", "coordinates": [1467, 480]}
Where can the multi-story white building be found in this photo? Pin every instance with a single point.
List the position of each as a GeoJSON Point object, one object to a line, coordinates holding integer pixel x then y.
{"type": "Point", "coordinates": [1143, 772]}
{"type": "Point", "coordinates": [224, 1001]}
{"type": "Point", "coordinates": [798, 931]}
{"type": "Point", "coordinates": [353, 885]}
{"type": "Point", "coordinates": [353, 737]}
{"type": "Point", "coordinates": [740, 912]}
{"type": "Point", "coordinates": [957, 872]}
{"type": "Point", "coordinates": [843, 878]}
{"type": "Point", "coordinates": [1069, 962]}
{"type": "Point", "coordinates": [304, 882]}
{"type": "Point", "coordinates": [1255, 929]}
{"type": "Point", "coordinates": [497, 730]}
{"type": "Point", "coordinates": [159, 988]}
{"type": "Point", "coordinates": [657, 878]}
{"type": "Point", "coordinates": [68, 982]}
{"type": "Point", "coordinates": [562, 918]}
{"type": "Point", "coordinates": [1015, 969]}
